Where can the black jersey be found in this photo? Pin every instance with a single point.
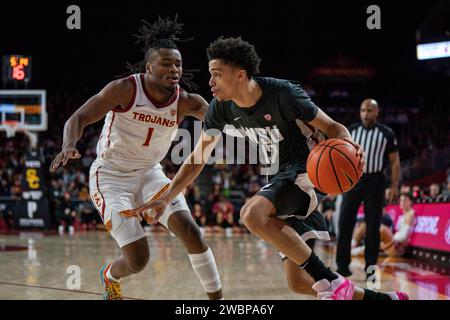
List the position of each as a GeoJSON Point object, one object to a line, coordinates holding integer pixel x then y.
{"type": "Point", "coordinates": [277, 122]}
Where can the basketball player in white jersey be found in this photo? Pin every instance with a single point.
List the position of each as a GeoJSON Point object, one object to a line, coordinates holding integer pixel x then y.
{"type": "Point", "coordinates": [142, 116]}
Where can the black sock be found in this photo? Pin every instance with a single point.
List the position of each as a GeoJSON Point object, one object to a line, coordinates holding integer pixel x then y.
{"type": "Point", "coordinates": [317, 269]}
{"type": "Point", "coordinates": [372, 295]}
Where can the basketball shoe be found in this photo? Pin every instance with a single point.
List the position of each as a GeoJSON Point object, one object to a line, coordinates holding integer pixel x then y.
{"type": "Point", "coordinates": [338, 289]}
{"type": "Point", "coordinates": [111, 289]}
{"type": "Point", "coordinates": [398, 295]}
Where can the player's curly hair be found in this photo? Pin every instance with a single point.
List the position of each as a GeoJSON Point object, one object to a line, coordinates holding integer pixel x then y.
{"type": "Point", "coordinates": [163, 33]}
{"type": "Point", "coordinates": [236, 52]}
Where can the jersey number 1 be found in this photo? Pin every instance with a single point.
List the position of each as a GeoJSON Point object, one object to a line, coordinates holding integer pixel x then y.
{"type": "Point", "coordinates": [149, 137]}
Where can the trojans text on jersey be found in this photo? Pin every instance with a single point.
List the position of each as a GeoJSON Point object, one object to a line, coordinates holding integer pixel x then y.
{"type": "Point", "coordinates": [153, 119]}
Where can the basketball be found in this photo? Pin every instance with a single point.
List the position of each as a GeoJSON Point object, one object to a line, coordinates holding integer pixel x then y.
{"type": "Point", "coordinates": [333, 166]}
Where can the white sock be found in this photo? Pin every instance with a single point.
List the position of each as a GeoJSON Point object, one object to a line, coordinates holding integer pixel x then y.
{"type": "Point", "coordinates": [110, 277]}
{"type": "Point", "coordinates": [205, 268]}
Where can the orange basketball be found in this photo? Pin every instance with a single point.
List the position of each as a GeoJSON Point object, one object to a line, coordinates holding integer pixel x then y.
{"type": "Point", "coordinates": [333, 166]}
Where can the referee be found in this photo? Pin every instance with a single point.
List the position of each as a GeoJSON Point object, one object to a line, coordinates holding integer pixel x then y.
{"type": "Point", "coordinates": [380, 146]}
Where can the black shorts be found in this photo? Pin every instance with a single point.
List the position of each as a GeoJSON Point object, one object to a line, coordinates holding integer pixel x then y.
{"type": "Point", "coordinates": [296, 201]}
{"type": "Point", "coordinates": [291, 193]}
{"type": "Point", "coordinates": [310, 229]}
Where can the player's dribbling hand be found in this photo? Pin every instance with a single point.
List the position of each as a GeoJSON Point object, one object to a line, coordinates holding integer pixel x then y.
{"type": "Point", "coordinates": [157, 206]}
{"type": "Point", "coordinates": [63, 157]}
{"type": "Point", "coordinates": [360, 152]}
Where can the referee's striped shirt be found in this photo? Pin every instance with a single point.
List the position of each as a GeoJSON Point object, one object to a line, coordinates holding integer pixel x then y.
{"type": "Point", "coordinates": [378, 142]}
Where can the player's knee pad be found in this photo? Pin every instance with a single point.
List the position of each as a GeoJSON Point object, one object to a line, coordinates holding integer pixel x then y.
{"type": "Point", "coordinates": [205, 267]}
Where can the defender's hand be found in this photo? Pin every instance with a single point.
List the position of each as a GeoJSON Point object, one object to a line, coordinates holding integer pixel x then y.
{"type": "Point", "coordinates": [157, 206]}
{"type": "Point", "coordinates": [63, 157]}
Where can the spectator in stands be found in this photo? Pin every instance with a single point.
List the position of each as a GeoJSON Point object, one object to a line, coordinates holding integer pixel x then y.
{"type": "Point", "coordinates": [5, 188]}
{"type": "Point", "coordinates": [67, 221]}
{"type": "Point", "coordinates": [55, 191]}
{"type": "Point", "coordinates": [80, 177]}
{"type": "Point", "coordinates": [67, 176]}
{"type": "Point", "coordinates": [396, 245]}
{"type": "Point", "coordinates": [217, 175]}
{"type": "Point", "coordinates": [435, 194]}
{"type": "Point", "coordinates": [223, 210]}
{"type": "Point", "coordinates": [199, 216]}
{"type": "Point", "coordinates": [417, 193]}
{"type": "Point", "coordinates": [83, 195]}
{"type": "Point", "coordinates": [405, 189]}
{"type": "Point", "coordinates": [448, 174]}
{"type": "Point", "coordinates": [16, 189]}
{"type": "Point", "coordinates": [90, 219]}
{"type": "Point", "coordinates": [65, 215]}
{"type": "Point", "coordinates": [55, 195]}
{"type": "Point", "coordinates": [359, 233]}
{"type": "Point", "coordinates": [72, 188]}
{"type": "Point", "coordinates": [217, 192]}
{"type": "Point", "coordinates": [7, 217]}
{"type": "Point", "coordinates": [393, 244]}
{"type": "Point", "coordinates": [225, 222]}
{"type": "Point", "coordinates": [193, 196]}
{"type": "Point", "coordinates": [446, 193]}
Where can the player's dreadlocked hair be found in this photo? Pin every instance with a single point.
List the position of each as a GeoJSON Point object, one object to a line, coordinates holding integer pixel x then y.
{"type": "Point", "coordinates": [236, 52]}
{"type": "Point", "coordinates": [163, 33]}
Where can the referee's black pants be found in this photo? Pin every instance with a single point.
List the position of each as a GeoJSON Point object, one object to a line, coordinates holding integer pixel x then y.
{"type": "Point", "coordinates": [370, 190]}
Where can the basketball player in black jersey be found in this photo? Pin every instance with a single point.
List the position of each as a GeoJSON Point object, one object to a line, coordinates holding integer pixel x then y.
{"type": "Point", "coordinates": [275, 114]}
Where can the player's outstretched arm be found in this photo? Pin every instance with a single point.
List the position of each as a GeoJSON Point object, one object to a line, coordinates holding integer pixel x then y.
{"type": "Point", "coordinates": [116, 93]}
{"type": "Point", "coordinates": [188, 172]}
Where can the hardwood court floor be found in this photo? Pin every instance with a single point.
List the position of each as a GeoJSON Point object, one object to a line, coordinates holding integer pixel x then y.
{"type": "Point", "coordinates": [249, 269]}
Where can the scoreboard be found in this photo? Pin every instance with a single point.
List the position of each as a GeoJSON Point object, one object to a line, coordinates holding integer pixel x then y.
{"type": "Point", "coordinates": [16, 68]}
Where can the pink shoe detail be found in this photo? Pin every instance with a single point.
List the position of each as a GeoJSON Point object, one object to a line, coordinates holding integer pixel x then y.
{"type": "Point", "coordinates": [398, 295]}
{"type": "Point", "coordinates": [344, 291]}
{"type": "Point", "coordinates": [338, 289]}
{"type": "Point", "coordinates": [403, 296]}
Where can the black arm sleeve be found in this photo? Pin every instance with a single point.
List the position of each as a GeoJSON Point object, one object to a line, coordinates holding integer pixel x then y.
{"type": "Point", "coordinates": [295, 103]}
{"type": "Point", "coordinates": [214, 118]}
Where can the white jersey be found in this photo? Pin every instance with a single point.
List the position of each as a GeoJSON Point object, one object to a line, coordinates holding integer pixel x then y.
{"type": "Point", "coordinates": [141, 134]}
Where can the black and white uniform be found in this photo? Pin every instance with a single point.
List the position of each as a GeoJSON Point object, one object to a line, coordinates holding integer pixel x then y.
{"type": "Point", "coordinates": [278, 124]}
